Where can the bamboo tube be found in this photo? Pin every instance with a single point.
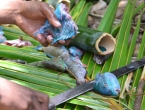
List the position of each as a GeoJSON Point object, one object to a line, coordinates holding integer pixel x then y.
{"type": "Point", "coordinates": [92, 40]}
{"type": "Point", "coordinates": [54, 3]}
{"type": "Point", "coordinates": [66, 2]}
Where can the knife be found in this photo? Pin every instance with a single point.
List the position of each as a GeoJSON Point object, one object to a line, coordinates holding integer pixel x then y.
{"type": "Point", "coordinates": [88, 86]}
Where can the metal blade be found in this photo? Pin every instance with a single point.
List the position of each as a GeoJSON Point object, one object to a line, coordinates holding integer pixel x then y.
{"type": "Point", "coordinates": [78, 90]}
{"type": "Point", "coordinates": [67, 95]}
{"type": "Point", "coordinates": [129, 68]}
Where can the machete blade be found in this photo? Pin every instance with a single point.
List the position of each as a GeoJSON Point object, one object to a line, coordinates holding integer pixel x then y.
{"type": "Point", "coordinates": [129, 68]}
{"type": "Point", "coordinates": [69, 94]}
{"type": "Point", "coordinates": [78, 90]}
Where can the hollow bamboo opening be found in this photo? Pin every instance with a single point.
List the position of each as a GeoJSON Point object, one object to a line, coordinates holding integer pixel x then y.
{"type": "Point", "coordinates": [66, 2]}
{"type": "Point", "coordinates": [105, 44]}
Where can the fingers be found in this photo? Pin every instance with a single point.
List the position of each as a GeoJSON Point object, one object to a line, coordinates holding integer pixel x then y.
{"type": "Point", "coordinates": [62, 42]}
{"type": "Point", "coordinates": [42, 40]}
{"type": "Point", "coordinates": [67, 42]}
{"type": "Point", "coordinates": [44, 105]}
{"type": "Point", "coordinates": [59, 43]}
{"type": "Point", "coordinates": [36, 104]}
{"type": "Point", "coordinates": [45, 41]}
{"type": "Point", "coordinates": [43, 99]}
{"type": "Point", "coordinates": [30, 108]}
{"type": "Point", "coordinates": [48, 12]}
{"type": "Point", "coordinates": [50, 39]}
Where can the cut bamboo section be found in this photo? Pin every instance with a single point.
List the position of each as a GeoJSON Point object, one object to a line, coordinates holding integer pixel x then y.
{"type": "Point", "coordinates": [66, 2]}
{"type": "Point", "coordinates": [91, 40]}
{"type": "Point", "coordinates": [105, 40]}
{"type": "Point", "coordinates": [54, 3]}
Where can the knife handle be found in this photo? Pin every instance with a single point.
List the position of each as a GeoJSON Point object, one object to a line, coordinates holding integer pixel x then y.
{"type": "Point", "coordinates": [51, 106]}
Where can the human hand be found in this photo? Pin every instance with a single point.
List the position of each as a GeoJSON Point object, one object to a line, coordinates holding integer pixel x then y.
{"type": "Point", "coordinates": [16, 97]}
{"type": "Point", "coordinates": [30, 16]}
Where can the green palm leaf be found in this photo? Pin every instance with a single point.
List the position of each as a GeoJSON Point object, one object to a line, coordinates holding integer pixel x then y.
{"type": "Point", "coordinates": [47, 81]}
{"type": "Point", "coordinates": [53, 82]}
